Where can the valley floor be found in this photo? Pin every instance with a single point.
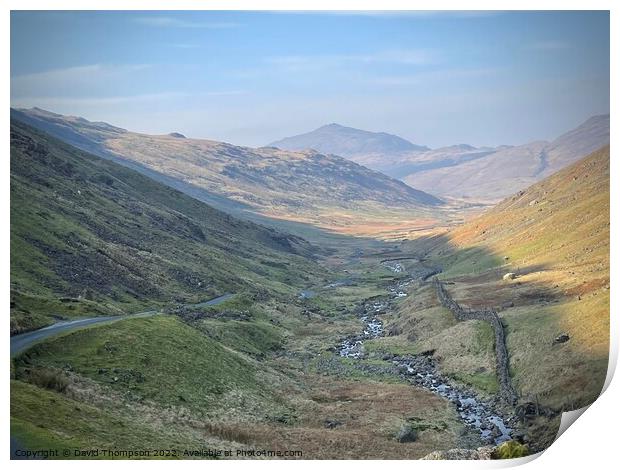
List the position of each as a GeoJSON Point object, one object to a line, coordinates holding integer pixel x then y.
{"type": "Point", "coordinates": [270, 375]}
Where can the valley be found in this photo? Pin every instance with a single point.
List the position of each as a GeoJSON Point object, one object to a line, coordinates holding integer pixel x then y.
{"type": "Point", "coordinates": [379, 338]}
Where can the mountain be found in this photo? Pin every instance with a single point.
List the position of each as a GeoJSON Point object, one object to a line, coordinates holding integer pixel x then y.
{"type": "Point", "coordinates": [496, 174]}
{"type": "Point", "coordinates": [459, 171]}
{"type": "Point", "coordinates": [400, 166]}
{"type": "Point", "coordinates": [276, 183]}
{"type": "Point", "coordinates": [348, 142]}
{"type": "Point", "coordinates": [89, 236]}
{"type": "Point", "coordinates": [576, 143]}
{"type": "Point", "coordinates": [554, 237]}
{"type": "Point", "coordinates": [387, 153]}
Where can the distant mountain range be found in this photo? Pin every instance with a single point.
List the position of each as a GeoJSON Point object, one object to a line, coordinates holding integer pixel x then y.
{"type": "Point", "coordinates": [457, 171]}
{"type": "Point", "coordinates": [302, 186]}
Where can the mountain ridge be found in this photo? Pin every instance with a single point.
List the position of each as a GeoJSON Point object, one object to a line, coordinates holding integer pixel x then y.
{"type": "Point", "coordinates": [274, 183]}
{"type": "Point", "coordinates": [110, 239]}
{"type": "Point", "coordinates": [463, 171]}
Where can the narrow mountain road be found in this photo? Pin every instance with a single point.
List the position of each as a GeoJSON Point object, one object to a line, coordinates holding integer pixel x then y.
{"type": "Point", "coordinates": [22, 342]}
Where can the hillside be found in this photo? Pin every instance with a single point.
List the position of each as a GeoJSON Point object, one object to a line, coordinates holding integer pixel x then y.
{"type": "Point", "coordinates": [500, 173]}
{"type": "Point", "coordinates": [259, 370]}
{"type": "Point", "coordinates": [349, 142]}
{"type": "Point", "coordinates": [554, 236]}
{"type": "Point", "coordinates": [89, 236]}
{"type": "Point", "coordinates": [462, 171]}
{"type": "Point", "coordinates": [400, 166]}
{"type": "Point", "coordinates": [272, 182]}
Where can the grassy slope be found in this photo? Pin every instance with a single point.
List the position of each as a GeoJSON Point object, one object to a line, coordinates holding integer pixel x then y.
{"type": "Point", "coordinates": [156, 381]}
{"type": "Point", "coordinates": [555, 236]}
{"type": "Point", "coordinates": [282, 184]}
{"type": "Point", "coordinates": [89, 228]}
{"type": "Point", "coordinates": [159, 359]}
{"type": "Point", "coordinates": [142, 383]}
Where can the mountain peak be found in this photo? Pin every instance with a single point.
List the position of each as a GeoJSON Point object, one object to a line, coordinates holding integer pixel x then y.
{"type": "Point", "coordinates": [348, 142]}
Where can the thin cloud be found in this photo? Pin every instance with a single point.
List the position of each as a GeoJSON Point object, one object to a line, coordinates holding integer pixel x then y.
{"type": "Point", "coordinates": [92, 101]}
{"type": "Point", "coordinates": [71, 78]}
{"type": "Point", "coordinates": [80, 71]}
{"type": "Point", "coordinates": [225, 93]}
{"type": "Point", "coordinates": [435, 76]}
{"type": "Point", "coordinates": [318, 62]}
{"type": "Point", "coordinates": [52, 102]}
{"type": "Point", "coordinates": [550, 45]}
{"type": "Point", "coordinates": [395, 13]}
{"type": "Point", "coordinates": [171, 22]}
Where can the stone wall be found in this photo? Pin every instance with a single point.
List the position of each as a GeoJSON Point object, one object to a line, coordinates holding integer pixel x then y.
{"type": "Point", "coordinates": [507, 392]}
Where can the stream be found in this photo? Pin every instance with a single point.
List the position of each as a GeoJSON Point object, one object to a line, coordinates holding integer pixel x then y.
{"type": "Point", "coordinates": [419, 370]}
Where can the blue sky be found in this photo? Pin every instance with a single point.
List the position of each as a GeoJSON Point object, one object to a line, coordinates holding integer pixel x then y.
{"type": "Point", "coordinates": [249, 78]}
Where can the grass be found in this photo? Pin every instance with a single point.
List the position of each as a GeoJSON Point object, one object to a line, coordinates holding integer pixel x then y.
{"type": "Point", "coordinates": [87, 228]}
{"type": "Point", "coordinates": [42, 419]}
{"type": "Point", "coordinates": [25, 310]}
{"type": "Point", "coordinates": [555, 236]}
{"type": "Point", "coordinates": [156, 359]}
{"type": "Point", "coordinates": [255, 338]}
{"type": "Point", "coordinates": [483, 381]}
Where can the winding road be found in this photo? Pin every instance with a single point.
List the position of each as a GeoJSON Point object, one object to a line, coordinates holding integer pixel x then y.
{"type": "Point", "coordinates": [21, 342]}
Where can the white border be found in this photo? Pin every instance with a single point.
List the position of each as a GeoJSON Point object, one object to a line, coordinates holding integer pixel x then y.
{"type": "Point", "coordinates": [591, 442]}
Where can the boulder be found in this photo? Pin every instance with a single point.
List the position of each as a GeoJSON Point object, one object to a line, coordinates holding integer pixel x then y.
{"type": "Point", "coordinates": [407, 433]}
{"type": "Point", "coordinates": [481, 453]}
{"type": "Point", "coordinates": [509, 276]}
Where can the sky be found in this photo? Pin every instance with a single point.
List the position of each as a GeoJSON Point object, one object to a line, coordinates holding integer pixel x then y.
{"type": "Point", "coordinates": [250, 78]}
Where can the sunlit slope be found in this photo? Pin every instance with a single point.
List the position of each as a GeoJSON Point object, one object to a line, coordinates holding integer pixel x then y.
{"type": "Point", "coordinates": [555, 237]}
{"type": "Point", "coordinates": [506, 170]}
{"type": "Point", "coordinates": [89, 237]}
{"type": "Point", "coordinates": [304, 186]}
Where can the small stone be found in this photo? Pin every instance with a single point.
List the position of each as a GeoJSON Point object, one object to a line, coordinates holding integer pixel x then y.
{"type": "Point", "coordinates": [332, 423]}
{"type": "Point", "coordinates": [563, 338]}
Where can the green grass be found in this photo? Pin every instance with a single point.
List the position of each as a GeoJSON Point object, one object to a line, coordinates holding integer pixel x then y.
{"type": "Point", "coordinates": [392, 345]}
{"type": "Point", "coordinates": [86, 227]}
{"type": "Point", "coordinates": [158, 359]}
{"type": "Point", "coordinates": [42, 419]}
{"type": "Point", "coordinates": [472, 260]}
{"type": "Point", "coordinates": [25, 308]}
{"type": "Point", "coordinates": [484, 381]}
{"type": "Point", "coordinates": [256, 338]}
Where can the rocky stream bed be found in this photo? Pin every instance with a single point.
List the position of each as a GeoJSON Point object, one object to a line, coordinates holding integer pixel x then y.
{"type": "Point", "coordinates": [476, 412]}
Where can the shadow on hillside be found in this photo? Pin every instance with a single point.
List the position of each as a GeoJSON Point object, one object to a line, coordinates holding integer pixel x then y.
{"type": "Point", "coordinates": [535, 310]}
